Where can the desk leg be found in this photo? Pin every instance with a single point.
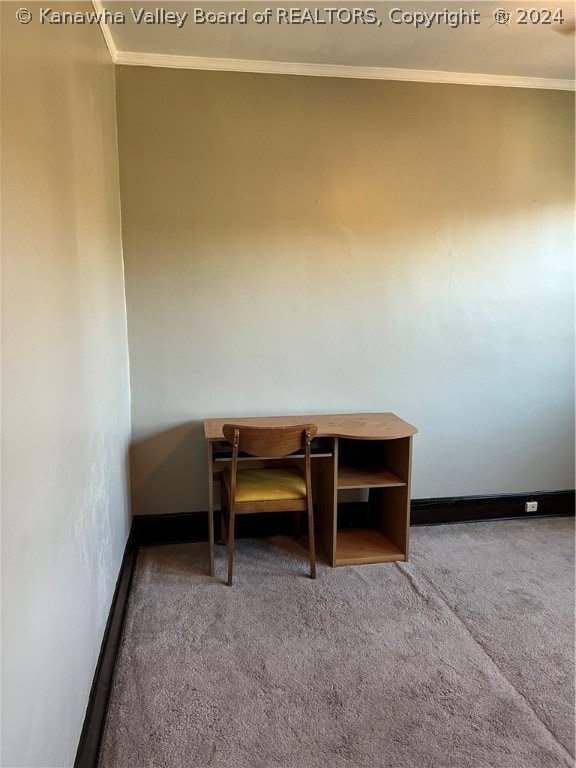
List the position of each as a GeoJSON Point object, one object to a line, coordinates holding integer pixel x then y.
{"type": "Point", "coordinates": [327, 502]}
{"type": "Point", "coordinates": [210, 511]}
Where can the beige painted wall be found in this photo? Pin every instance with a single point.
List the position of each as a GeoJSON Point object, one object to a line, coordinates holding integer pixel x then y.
{"type": "Point", "coordinates": [302, 245]}
{"type": "Point", "coordinates": [65, 385]}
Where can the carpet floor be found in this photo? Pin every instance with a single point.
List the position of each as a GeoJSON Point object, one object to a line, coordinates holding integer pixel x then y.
{"type": "Point", "coordinates": [461, 658]}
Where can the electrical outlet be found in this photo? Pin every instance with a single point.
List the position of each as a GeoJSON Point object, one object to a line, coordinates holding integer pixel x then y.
{"type": "Point", "coordinates": [531, 506]}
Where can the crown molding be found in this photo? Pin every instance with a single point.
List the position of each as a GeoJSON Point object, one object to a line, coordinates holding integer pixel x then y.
{"type": "Point", "coordinates": [113, 51]}
{"type": "Point", "coordinates": [336, 70]}
{"type": "Point", "coordinates": [173, 61]}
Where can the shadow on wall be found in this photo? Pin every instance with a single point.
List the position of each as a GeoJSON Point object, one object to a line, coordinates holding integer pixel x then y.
{"type": "Point", "coordinates": [168, 471]}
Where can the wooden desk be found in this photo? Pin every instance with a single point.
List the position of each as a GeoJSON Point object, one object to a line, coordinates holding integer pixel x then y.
{"type": "Point", "coordinates": [358, 450]}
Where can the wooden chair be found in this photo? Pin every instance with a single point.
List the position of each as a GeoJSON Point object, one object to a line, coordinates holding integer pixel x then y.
{"type": "Point", "coordinates": [267, 489]}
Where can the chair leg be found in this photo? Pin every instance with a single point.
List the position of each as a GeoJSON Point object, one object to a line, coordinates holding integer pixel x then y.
{"type": "Point", "coordinates": [230, 546]}
{"type": "Point", "coordinates": [224, 510]}
{"type": "Point", "coordinates": [311, 541]}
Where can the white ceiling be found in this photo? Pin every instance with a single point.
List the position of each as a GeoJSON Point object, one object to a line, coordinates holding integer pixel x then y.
{"type": "Point", "coordinates": [533, 55]}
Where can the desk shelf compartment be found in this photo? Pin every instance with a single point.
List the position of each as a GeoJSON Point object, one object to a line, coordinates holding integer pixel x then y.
{"type": "Point", "coordinates": [382, 468]}
{"type": "Point", "coordinates": [367, 477]}
{"type": "Point", "coordinates": [361, 546]}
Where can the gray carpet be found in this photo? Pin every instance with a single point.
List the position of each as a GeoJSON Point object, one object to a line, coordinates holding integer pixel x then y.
{"type": "Point", "coordinates": [461, 658]}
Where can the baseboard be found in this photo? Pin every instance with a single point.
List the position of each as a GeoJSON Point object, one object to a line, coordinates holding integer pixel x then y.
{"type": "Point", "coordinates": [193, 526]}
{"type": "Point", "coordinates": [466, 509]}
{"type": "Point", "coordinates": [171, 528]}
{"type": "Point", "coordinates": [94, 721]}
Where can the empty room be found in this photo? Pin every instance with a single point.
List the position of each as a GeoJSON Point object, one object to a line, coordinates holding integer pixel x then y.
{"type": "Point", "coordinates": [287, 385]}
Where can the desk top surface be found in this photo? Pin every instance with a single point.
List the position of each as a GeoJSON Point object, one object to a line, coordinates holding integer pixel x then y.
{"type": "Point", "coordinates": [355, 426]}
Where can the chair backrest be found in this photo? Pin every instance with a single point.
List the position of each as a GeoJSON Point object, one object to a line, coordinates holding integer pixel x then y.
{"type": "Point", "coordinates": [269, 442]}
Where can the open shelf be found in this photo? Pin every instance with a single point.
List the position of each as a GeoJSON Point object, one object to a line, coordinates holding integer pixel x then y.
{"type": "Point", "coordinates": [365, 545]}
{"type": "Point", "coordinates": [222, 451]}
{"type": "Point", "coordinates": [367, 477]}
{"type": "Point", "coordinates": [246, 457]}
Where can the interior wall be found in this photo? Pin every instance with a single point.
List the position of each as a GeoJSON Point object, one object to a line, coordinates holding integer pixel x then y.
{"type": "Point", "coordinates": [65, 381]}
{"type": "Point", "coordinates": [301, 245]}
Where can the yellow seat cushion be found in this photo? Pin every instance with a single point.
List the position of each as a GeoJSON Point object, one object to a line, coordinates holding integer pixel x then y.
{"type": "Point", "coordinates": [267, 484]}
